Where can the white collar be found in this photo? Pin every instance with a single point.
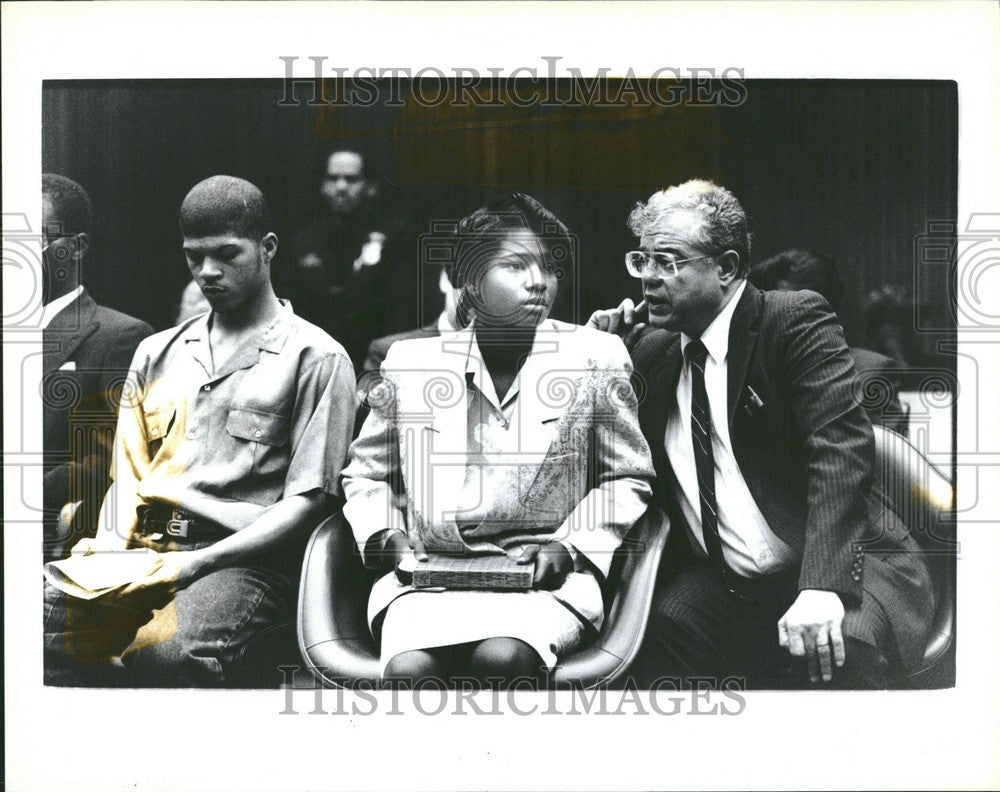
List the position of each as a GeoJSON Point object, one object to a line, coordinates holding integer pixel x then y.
{"type": "Point", "coordinates": [716, 335]}
{"type": "Point", "coordinates": [475, 365]}
{"type": "Point", "coordinates": [444, 325]}
{"type": "Point", "coordinates": [58, 304]}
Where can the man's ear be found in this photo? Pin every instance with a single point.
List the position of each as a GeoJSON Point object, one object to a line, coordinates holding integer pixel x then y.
{"type": "Point", "coordinates": [270, 245]}
{"type": "Point", "coordinates": [80, 244]}
{"type": "Point", "coordinates": [729, 266]}
{"type": "Point", "coordinates": [371, 190]}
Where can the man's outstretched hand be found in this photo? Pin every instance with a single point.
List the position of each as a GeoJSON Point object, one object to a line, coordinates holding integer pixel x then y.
{"type": "Point", "coordinates": [622, 321]}
{"type": "Point", "coordinates": [812, 627]}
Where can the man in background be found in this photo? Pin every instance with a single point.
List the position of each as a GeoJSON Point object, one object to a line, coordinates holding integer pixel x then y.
{"type": "Point", "coordinates": [345, 271]}
{"type": "Point", "coordinates": [192, 303]}
{"type": "Point", "coordinates": [87, 349]}
{"type": "Point", "coordinates": [446, 322]}
{"type": "Point", "coordinates": [371, 375]}
{"type": "Point", "coordinates": [879, 376]}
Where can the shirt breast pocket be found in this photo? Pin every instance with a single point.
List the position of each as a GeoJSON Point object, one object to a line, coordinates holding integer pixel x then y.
{"type": "Point", "coordinates": [159, 421]}
{"type": "Point", "coordinates": [261, 438]}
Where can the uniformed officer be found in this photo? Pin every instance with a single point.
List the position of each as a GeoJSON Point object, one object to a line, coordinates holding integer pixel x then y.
{"type": "Point", "coordinates": [346, 273]}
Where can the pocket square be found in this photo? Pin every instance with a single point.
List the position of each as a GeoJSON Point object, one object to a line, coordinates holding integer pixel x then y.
{"type": "Point", "coordinates": [69, 365]}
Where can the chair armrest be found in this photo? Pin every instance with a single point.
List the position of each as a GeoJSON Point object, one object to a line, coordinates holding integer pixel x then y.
{"type": "Point", "coordinates": [338, 648]}
{"type": "Point", "coordinates": [333, 602]}
{"type": "Point", "coordinates": [605, 661]}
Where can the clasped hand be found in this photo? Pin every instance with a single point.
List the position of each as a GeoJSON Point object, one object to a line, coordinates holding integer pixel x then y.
{"type": "Point", "coordinates": [553, 562]}
{"type": "Point", "coordinates": [812, 627]}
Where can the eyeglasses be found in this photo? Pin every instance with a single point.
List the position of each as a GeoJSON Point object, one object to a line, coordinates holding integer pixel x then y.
{"type": "Point", "coordinates": [664, 264]}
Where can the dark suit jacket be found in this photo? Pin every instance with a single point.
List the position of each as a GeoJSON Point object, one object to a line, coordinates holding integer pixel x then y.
{"type": "Point", "coordinates": [879, 383]}
{"type": "Point", "coordinates": [87, 352]}
{"type": "Point", "coordinates": [807, 454]}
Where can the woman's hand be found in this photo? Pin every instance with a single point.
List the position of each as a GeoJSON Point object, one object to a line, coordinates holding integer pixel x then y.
{"type": "Point", "coordinates": [553, 563]}
{"type": "Point", "coordinates": [400, 553]}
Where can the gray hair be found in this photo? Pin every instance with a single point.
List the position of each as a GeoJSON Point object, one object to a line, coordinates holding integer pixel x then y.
{"type": "Point", "coordinates": [724, 223]}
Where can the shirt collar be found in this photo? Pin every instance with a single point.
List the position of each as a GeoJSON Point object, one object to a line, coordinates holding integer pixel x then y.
{"type": "Point", "coordinates": [59, 304]}
{"type": "Point", "coordinates": [444, 325]}
{"type": "Point", "coordinates": [477, 374]}
{"type": "Point", "coordinates": [270, 337]}
{"type": "Point", "coordinates": [716, 335]}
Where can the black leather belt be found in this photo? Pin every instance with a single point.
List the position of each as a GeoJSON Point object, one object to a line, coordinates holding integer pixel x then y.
{"type": "Point", "coordinates": [162, 523]}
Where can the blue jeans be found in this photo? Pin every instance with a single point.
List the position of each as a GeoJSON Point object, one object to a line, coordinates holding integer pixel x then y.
{"type": "Point", "coordinates": [193, 638]}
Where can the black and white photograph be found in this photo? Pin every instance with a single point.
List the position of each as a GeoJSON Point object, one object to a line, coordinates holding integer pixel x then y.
{"type": "Point", "coordinates": [352, 397]}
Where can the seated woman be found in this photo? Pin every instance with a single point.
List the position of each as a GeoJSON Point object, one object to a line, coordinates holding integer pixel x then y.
{"type": "Point", "coordinates": [516, 435]}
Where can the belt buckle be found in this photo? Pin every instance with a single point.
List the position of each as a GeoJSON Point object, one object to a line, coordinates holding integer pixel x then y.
{"type": "Point", "coordinates": [178, 528]}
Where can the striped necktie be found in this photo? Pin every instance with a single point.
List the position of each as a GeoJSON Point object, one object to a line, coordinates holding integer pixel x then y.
{"type": "Point", "coordinates": [704, 460]}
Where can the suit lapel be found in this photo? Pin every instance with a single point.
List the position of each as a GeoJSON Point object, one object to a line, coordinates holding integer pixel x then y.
{"type": "Point", "coordinates": [659, 399]}
{"type": "Point", "coordinates": [662, 396]}
{"type": "Point", "coordinates": [67, 330]}
{"type": "Point", "coordinates": [534, 404]}
{"type": "Point", "coordinates": [438, 444]}
{"type": "Point", "coordinates": [742, 338]}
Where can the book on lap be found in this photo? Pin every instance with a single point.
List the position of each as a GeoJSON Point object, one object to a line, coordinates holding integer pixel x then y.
{"type": "Point", "coordinates": [490, 572]}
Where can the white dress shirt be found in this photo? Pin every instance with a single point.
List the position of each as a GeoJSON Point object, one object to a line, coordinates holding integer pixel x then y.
{"type": "Point", "coordinates": [749, 546]}
{"type": "Point", "coordinates": [59, 304]}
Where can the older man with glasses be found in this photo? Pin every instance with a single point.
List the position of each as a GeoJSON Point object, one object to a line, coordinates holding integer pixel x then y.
{"type": "Point", "coordinates": [764, 460]}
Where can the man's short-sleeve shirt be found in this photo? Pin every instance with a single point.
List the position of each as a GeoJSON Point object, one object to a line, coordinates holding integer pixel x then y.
{"type": "Point", "coordinates": [273, 421]}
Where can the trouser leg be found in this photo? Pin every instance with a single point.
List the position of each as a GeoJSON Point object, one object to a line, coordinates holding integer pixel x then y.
{"type": "Point", "coordinates": [697, 629]}
{"type": "Point", "coordinates": [196, 640]}
{"type": "Point", "coordinates": [82, 640]}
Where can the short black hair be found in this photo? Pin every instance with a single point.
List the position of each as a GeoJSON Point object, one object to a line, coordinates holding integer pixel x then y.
{"type": "Point", "coordinates": [70, 203]}
{"type": "Point", "coordinates": [801, 269]}
{"type": "Point", "coordinates": [222, 204]}
{"type": "Point", "coordinates": [478, 234]}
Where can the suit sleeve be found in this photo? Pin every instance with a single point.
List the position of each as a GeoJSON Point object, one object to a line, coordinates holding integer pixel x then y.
{"type": "Point", "coordinates": [621, 469]}
{"type": "Point", "coordinates": [372, 480]}
{"type": "Point", "coordinates": [86, 478]}
{"type": "Point", "coordinates": [838, 442]}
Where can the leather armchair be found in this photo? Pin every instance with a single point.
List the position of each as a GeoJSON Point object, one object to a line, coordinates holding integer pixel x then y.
{"type": "Point", "coordinates": [338, 648]}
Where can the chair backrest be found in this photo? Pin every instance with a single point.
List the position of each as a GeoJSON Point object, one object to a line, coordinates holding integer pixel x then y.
{"type": "Point", "coordinates": [923, 498]}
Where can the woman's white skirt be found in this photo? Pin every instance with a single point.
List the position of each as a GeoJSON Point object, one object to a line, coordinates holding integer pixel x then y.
{"type": "Point", "coordinates": [552, 623]}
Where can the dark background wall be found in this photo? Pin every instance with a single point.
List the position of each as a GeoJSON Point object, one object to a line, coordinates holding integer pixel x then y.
{"type": "Point", "coordinates": [853, 169]}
